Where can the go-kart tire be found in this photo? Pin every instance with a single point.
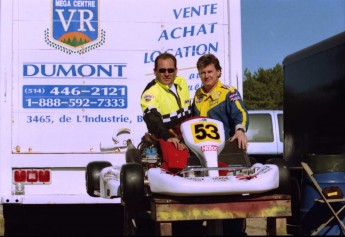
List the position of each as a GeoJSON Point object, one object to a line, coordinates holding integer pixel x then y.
{"type": "Point", "coordinates": [92, 176]}
{"type": "Point", "coordinates": [284, 176]}
{"type": "Point", "coordinates": [132, 183]}
{"type": "Point", "coordinates": [133, 156]}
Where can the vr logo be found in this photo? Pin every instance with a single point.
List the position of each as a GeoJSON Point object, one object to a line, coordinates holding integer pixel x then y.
{"type": "Point", "coordinates": [85, 17]}
{"type": "Point", "coordinates": [75, 26]}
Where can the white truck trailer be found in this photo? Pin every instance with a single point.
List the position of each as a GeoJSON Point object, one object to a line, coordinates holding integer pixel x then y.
{"type": "Point", "coordinates": [71, 76]}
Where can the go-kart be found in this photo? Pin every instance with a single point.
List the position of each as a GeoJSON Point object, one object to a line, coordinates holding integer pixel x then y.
{"type": "Point", "coordinates": [157, 167]}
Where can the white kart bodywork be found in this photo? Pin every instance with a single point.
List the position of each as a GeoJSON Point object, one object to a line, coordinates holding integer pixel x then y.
{"type": "Point", "coordinates": [264, 179]}
{"type": "Point", "coordinates": [110, 182]}
{"type": "Point", "coordinates": [205, 137]}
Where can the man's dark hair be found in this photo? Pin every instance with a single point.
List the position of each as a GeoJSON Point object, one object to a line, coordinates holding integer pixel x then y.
{"type": "Point", "coordinates": [165, 56]}
{"type": "Point", "coordinates": [206, 60]}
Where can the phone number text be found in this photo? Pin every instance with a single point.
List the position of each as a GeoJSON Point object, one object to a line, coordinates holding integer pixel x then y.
{"type": "Point", "coordinates": [74, 96]}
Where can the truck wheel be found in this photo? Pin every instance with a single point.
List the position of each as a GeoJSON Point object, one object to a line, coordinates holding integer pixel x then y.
{"type": "Point", "coordinates": [132, 183]}
{"type": "Point", "coordinates": [284, 176]}
{"type": "Point", "coordinates": [92, 176]}
{"type": "Point", "coordinates": [133, 156]}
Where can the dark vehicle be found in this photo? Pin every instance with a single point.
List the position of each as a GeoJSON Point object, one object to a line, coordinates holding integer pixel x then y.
{"type": "Point", "coordinates": [314, 118]}
{"type": "Point", "coordinates": [314, 100]}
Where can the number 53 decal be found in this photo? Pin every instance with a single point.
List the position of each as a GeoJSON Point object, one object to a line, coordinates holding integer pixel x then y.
{"type": "Point", "coordinates": [205, 131]}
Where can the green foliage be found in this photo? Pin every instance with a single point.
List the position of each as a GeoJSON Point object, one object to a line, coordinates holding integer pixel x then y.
{"type": "Point", "coordinates": [75, 42]}
{"type": "Point", "coordinates": [264, 89]}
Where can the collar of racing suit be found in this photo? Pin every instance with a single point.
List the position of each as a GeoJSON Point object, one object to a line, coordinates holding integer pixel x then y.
{"type": "Point", "coordinates": [213, 94]}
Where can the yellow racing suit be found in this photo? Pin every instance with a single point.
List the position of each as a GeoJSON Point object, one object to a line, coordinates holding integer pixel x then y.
{"type": "Point", "coordinates": [163, 109]}
{"type": "Point", "coordinates": [223, 103]}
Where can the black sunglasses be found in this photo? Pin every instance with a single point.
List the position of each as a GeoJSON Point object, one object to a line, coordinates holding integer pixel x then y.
{"type": "Point", "coordinates": [163, 70]}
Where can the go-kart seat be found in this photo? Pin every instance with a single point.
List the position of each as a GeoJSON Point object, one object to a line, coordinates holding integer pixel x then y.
{"type": "Point", "coordinates": [232, 155]}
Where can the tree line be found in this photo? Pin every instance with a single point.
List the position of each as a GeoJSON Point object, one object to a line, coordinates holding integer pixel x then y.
{"type": "Point", "coordinates": [264, 88]}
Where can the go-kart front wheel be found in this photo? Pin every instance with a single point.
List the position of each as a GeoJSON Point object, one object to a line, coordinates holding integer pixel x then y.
{"type": "Point", "coordinates": [132, 183]}
{"type": "Point", "coordinates": [92, 176]}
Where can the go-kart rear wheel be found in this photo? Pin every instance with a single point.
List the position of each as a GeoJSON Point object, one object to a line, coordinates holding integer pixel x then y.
{"type": "Point", "coordinates": [92, 176]}
{"type": "Point", "coordinates": [284, 176]}
{"type": "Point", "coordinates": [133, 156]}
{"type": "Point", "coordinates": [132, 183]}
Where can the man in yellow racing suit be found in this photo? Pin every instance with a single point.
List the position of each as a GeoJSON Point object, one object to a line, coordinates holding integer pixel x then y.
{"type": "Point", "coordinates": [165, 101]}
{"type": "Point", "coordinates": [221, 102]}
{"type": "Point", "coordinates": [224, 103]}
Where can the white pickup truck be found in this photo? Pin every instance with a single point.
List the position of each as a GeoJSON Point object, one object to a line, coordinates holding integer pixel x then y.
{"type": "Point", "coordinates": [265, 134]}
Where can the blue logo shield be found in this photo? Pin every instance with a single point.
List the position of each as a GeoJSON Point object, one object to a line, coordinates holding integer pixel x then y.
{"type": "Point", "coordinates": [75, 26]}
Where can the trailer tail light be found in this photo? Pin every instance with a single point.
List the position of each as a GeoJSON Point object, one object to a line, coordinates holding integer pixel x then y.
{"type": "Point", "coordinates": [44, 176]}
{"type": "Point", "coordinates": [19, 176]}
{"type": "Point", "coordinates": [31, 176]}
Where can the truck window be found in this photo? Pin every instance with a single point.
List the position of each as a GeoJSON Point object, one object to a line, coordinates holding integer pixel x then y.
{"type": "Point", "coordinates": [260, 128]}
{"type": "Point", "coordinates": [281, 127]}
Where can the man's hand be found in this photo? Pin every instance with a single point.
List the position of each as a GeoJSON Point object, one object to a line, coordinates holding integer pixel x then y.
{"type": "Point", "coordinates": [241, 138]}
{"type": "Point", "coordinates": [179, 145]}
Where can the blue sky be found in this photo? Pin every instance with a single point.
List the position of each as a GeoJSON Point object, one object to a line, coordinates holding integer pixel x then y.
{"type": "Point", "coordinates": [273, 29]}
